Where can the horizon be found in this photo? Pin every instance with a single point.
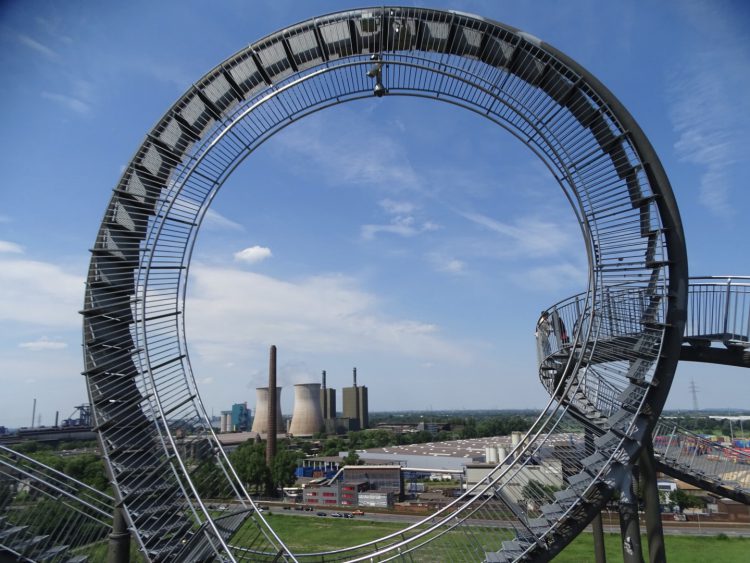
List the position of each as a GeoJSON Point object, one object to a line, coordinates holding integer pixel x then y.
{"type": "Point", "coordinates": [413, 240]}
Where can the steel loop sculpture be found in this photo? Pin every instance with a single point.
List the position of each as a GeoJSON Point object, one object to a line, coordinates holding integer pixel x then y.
{"type": "Point", "coordinates": [614, 350]}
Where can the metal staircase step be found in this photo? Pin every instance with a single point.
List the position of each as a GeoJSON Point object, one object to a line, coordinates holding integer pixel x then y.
{"type": "Point", "coordinates": [538, 525]}
{"type": "Point", "coordinates": [579, 482]}
{"type": "Point", "coordinates": [594, 463]}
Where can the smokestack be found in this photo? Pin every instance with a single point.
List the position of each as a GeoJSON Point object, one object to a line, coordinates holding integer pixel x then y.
{"type": "Point", "coordinates": [33, 414]}
{"type": "Point", "coordinates": [57, 418]}
{"type": "Point", "coordinates": [356, 399]}
{"type": "Point", "coordinates": [272, 399]}
{"type": "Point", "coordinates": [307, 419]}
{"type": "Point", "coordinates": [324, 396]}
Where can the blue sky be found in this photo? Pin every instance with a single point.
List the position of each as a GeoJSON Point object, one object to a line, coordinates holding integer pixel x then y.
{"type": "Point", "coordinates": [421, 256]}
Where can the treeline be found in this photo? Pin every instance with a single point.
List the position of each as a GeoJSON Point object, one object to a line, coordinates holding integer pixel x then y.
{"type": "Point", "coordinates": [85, 467]}
{"type": "Point", "coordinates": [706, 425]}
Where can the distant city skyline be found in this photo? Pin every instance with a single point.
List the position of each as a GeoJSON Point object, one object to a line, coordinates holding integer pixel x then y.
{"type": "Point", "coordinates": [413, 240]}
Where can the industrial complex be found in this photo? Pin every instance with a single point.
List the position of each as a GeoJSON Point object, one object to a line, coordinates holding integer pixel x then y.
{"type": "Point", "coordinates": [314, 411]}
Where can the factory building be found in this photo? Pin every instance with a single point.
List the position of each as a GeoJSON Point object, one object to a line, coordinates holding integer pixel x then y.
{"type": "Point", "coordinates": [356, 405]}
{"type": "Point", "coordinates": [260, 422]}
{"type": "Point", "coordinates": [307, 418]}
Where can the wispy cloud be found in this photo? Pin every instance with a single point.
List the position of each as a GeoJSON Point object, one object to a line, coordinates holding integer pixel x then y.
{"type": "Point", "coordinates": [253, 254]}
{"type": "Point", "coordinates": [43, 343]}
{"type": "Point", "coordinates": [326, 144]}
{"type": "Point", "coordinates": [10, 247]}
{"type": "Point", "coordinates": [552, 278]}
{"type": "Point", "coordinates": [216, 221]}
{"type": "Point", "coordinates": [401, 222]}
{"type": "Point", "coordinates": [530, 236]}
{"type": "Point", "coordinates": [401, 226]}
{"type": "Point", "coordinates": [37, 46]}
{"type": "Point", "coordinates": [447, 264]}
{"type": "Point", "coordinates": [69, 102]}
{"type": "Point", "coordinates": [710, 119]}
{"type": "Point", "coordinates": [397, 207]}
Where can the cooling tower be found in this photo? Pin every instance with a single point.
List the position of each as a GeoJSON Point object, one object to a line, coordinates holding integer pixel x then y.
{"type": "Point", "coordinates": [260, 421]}
{"type": "Point", "coordinates": [307, 418]}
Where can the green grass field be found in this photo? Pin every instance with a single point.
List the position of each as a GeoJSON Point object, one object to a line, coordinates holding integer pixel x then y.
{"type": "Point", "coordinates": [308, 534]}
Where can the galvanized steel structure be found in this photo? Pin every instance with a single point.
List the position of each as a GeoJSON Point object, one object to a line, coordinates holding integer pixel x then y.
{"type": "Point", "coordinates": [622, 340]}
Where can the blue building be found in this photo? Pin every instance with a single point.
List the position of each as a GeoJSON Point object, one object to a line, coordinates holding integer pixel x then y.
{"type": "Point", "coordinates": [240, 417]}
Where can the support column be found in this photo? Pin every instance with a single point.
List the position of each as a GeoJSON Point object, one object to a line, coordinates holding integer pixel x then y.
{"type": "Point", "coordinates": [654, 531]}
{"type": "Point", "coordinates": [629, 525]}
{"type": "Point", "coordinates": [118, 549]}
{"type": "Point", "coordinates": [600, 554]}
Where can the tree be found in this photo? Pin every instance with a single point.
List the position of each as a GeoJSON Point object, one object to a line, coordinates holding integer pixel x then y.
{"type": "Point", "coordinates": [684, 500]}
{"type": "Point", "coordinates": [249, 460]}
{"type": "Point", "coordinates": [283, 469]}
{"type": "Point", "coordinates": [352, 458]}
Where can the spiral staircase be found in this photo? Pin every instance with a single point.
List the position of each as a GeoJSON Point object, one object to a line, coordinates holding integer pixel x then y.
{"type": "Point", "coordinates": [607, 357]}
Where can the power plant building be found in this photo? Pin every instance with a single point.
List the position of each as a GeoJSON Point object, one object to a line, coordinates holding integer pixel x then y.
{"type": "Point", "coordinates": [260, 421]}
{"type": "Point", "coordinates": [307, 418]}
{"type": "Point", "coordinates": [356, 405]}
{"type": "Point", "coordinates": [240, 421]}
{"type": "Point", "coordinates": [327, 400]}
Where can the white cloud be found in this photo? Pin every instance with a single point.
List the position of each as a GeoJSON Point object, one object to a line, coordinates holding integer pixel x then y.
{"type": "Point", "coordinates": [230, 311]}
{"type": "Point", "coordinates": [253, 254]}
{"type": "Point", "coordinates": [39, 293]}
{"type": "Point", "coordinates": [216, 221]}
{"type": "Point", "coordinates": [69, 102]}
{"type": "Point", "coordinates": [10, 247]}
{"type": "Point", "coordinates": [43, 343]}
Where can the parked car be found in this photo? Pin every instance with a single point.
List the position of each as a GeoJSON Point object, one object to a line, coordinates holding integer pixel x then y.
{"type": "Point", "coordinates": [337, 515]}
{"type": "Point", "coordinates": [286, 507]}
{"type": "Point", "coordinates": [357, 513]}
{"type": "Point", "coordinates": [348, 515]}
{"type": "Point", "coordinates": [308, 509]}
{"type": "Point", "coordinates": [322, 514]}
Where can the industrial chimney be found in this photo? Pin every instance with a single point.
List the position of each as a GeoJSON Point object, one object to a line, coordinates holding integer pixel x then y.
{"type": "Point", "coordinates": [260, 421]}
{"type": "Point", "coordinates": [273, 408]}
{"type": "Point", "coordinates": [307, 418]}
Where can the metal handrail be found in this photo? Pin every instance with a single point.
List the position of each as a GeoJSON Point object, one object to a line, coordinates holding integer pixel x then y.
{"type": "Point", "coordinates": [47, 514]}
